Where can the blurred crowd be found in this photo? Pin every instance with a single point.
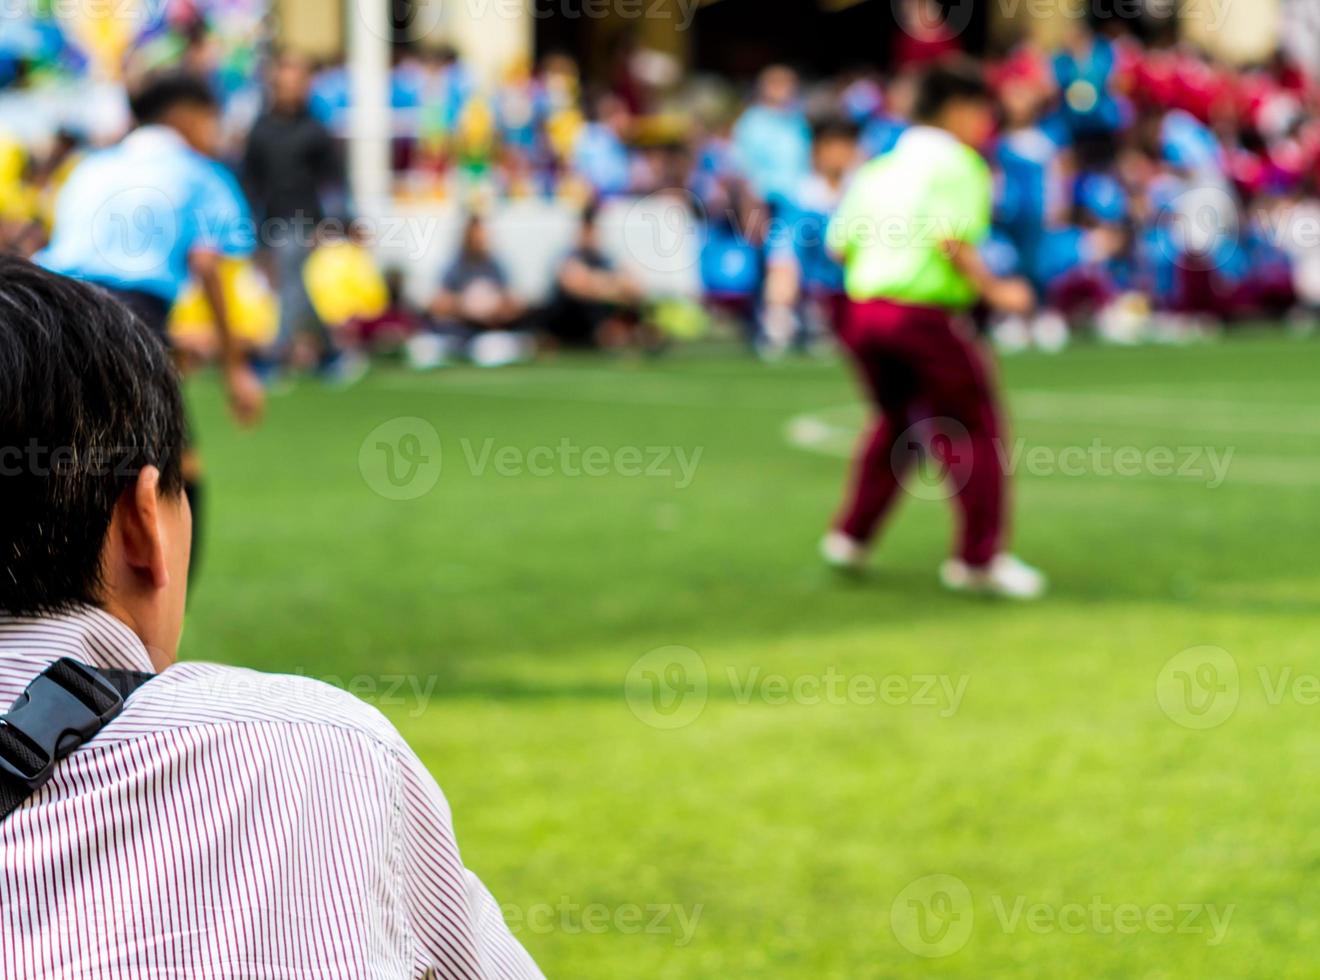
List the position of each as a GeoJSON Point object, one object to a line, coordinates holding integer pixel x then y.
{"type": "Point", "coordinates": [1144, 189]}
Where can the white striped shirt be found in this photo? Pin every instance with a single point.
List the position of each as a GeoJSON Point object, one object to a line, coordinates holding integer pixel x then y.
{"type": "Point", "coordinates": [233, 824]}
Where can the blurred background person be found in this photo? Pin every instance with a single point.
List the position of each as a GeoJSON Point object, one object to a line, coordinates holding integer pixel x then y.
{"type": "Point", "coordinates": [291, 168]}
{"type": "Point", "coordinates": [804, 282]}
{"type": "Point", "coordinates": [772, 138]}
{"type": "Point", "coordinates": [138, 219]}
{"type": "Point", "coordinates": [601, 156]}
{"type": "Point", "coordinates": [475, 304]}
{"type": "Point", "coordinates": [596, 304]}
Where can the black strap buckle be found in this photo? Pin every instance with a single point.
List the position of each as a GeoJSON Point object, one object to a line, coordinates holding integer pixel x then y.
{"type": "Point", "coordinates": [64, 707]}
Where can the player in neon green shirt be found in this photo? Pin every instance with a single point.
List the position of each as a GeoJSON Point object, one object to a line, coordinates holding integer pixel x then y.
{"type": "Point", "coordinates": [907, 231]}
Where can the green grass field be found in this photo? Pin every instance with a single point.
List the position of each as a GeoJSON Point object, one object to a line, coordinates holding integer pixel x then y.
{"type": "Point", "coordinates": [1097, 807]}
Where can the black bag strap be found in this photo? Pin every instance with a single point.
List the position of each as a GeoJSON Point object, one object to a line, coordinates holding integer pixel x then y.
{"type": "Point", "coordinates": [63, 708]}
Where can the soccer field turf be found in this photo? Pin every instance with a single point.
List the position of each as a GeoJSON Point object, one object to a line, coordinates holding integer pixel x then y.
{"type": "Point", "coordinates": [1096, 801]}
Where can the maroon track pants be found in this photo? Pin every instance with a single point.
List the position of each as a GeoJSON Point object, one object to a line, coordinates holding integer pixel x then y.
{"type": "Point", "coordinates": [931, 387]}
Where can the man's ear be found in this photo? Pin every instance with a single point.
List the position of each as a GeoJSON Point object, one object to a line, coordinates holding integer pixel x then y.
{"type": "Point", "coordinates": [141, 536]}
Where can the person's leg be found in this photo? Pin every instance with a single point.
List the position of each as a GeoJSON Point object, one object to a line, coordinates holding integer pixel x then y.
{"type": "Point", "coordinates": [956, 384]}
{"type": "Point", "coordinates": [296, 312]}
{"type": "Point", "coordinates": [877, 469]}
{"type": "Point", "coordinates": [874, 482]}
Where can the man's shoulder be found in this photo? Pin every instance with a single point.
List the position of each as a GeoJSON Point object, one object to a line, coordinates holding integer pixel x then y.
{"type": "Point", "coordinates": [929, 149]}
{"type": "Point", "coordinates": [204, 694]}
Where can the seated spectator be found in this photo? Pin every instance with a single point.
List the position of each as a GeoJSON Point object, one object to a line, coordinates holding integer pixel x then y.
{"type": "Point", "coordinates": [595, 303]}
{"type": "Point", "coordinates": [474, 293]}
{"type": "Point", "coordinates": [207, 820]}
{"type": "Point", "coordinates": [475, 305]}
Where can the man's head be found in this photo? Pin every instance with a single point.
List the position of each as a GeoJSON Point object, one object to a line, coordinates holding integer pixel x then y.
{"type": "Point", "coordinates": [612, 112]}
{"type": "Point", "coordinates": [589, 225]}
{"type": "Point", "coordinates": [475, 241]}
{"type": "Point", "coordinates": [954, 96]}
{"type": "Point", "coordinates": [777, 87]}
{"type": "Point", "coordinates": [91, 440]}
{"type": "Point", "coordinates": [290, 81]}
{"type": "Point", "coordinates": [182, 101]}
{"type": "Point", "coordinates": [834, 147]}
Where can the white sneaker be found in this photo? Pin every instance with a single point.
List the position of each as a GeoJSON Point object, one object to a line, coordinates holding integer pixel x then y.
{"type": "Point", "coordinates": [1011, 335]}
{"type": "Point", "coordinates": [1049, 332]}
{"type": "Point", "coordinates": [842, 552]}
{"type": "Point", "coordinates": [1006, 576]}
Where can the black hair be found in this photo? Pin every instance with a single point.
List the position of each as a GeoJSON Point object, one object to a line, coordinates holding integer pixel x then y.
{"type": "Point", "coordinates": [159, 93]}
{"type": "Point", "coordinates": [957, 79]}
{"type": "Point", "coordinates": [834, 127]}
{"type": "Point", "coordinates": [590, 213]}
{"type": "Point", "coordinates": [88, 398]}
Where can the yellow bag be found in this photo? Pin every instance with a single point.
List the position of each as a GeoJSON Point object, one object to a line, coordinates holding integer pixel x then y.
{"type": "Point", "coordinates": [344, 283]}
{"type": "Point", "coordinates": [253, 311]}
{"type": "Point", "coordinates": [17, 198]}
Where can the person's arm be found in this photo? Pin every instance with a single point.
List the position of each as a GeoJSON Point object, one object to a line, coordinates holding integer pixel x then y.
{"type": "Point", "coordinates": [845, 229]}
{"type": "Point", "coordinates": [964, 203]}
{"type": "Point", "coordinates": [247, 398]}
{"type": "Point", "coordinates": [253, 172]}
{"type": "Point", "coordinates": [329, 159]}
{"type": "Point", "coordinates": [511, 307]}
{"type": "Point", "coordinates": [581, 281]}
{"type": "Point", "coordinates": [444, 305]}
{"type": "Point", "coordinates": [332, 175]}
{"type": "Point", "coordinates": [222, 227]}
{"type": "Point", "coordinates": [1005, 294]}
{"type": "Point", "coordinates": [458, 928]}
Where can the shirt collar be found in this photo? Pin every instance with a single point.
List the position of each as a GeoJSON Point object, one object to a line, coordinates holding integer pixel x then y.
{"type": "Point", "coordinates": [87, 634]}
{"type": "Point", "coordinates": [929, 136]}
{"type": "Point", "coordinates": [154, 137]}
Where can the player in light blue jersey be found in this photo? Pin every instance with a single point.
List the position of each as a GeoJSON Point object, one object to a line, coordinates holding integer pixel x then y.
{"type": "Point", "coordinates": [140, 218]}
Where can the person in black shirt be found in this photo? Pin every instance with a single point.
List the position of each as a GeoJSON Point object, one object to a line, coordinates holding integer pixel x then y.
{"type": "Point", "coordinates": [290, 162]}
{"type": "Point", "coordinates": [595, 303]}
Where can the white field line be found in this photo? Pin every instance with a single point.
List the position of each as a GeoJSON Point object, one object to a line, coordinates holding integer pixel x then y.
{"type": "Point", "coordinates": [1187, 414]}
{"type": "Point", "coordinates": [834, 432]}
{"type": "Point", "coordinates": [817, 432]}
{"type": "Point", "coordinates": [534, 392]}
{"type": "Point", "coordinates": [632, 386]}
